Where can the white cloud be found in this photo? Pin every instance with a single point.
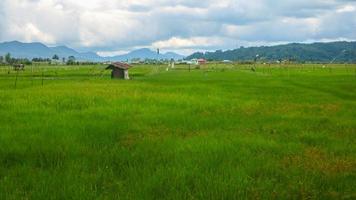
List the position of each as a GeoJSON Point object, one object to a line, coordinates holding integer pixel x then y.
{"type": "Point", "coordinates": [347, 8]}
{"type": "Point", "coordinates": [100, 29]}
{"type": "Point", "coordinates": [177, 43]}
{"type": "Point", "coordinates": [43, 20]}
{"type": "Point", "coordinates": [32, 33]}
{"type": "Point", "coordinates": [183, 25]}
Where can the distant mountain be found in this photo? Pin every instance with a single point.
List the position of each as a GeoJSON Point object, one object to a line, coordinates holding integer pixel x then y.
{"type": "Point", "coordinates": [173, 55]}
{"type": "Point", "coordinates": [147, 54]}
{"type": "Point", "coordinates": [63, 50]}
{"type": "Point", "coordinates": [316, 52]}
{"type": "Point", "coordinates": [39, 50]}
{"type": "Point", "coordinates": [23, 50]}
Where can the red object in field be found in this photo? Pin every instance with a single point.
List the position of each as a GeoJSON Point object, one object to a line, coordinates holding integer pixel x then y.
{"type": "Point", "coordinates": [201, 61]}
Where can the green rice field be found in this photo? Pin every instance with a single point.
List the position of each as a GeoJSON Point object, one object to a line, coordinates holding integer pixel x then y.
{"type": "Point", "coordinates": [219, 132]}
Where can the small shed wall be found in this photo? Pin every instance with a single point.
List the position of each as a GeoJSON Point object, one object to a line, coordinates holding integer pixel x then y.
{"type": "Point", "coordinates": [118, 73]}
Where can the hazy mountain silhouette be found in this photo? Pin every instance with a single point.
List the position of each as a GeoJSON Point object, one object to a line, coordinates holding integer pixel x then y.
{"type": "Point", "coordinates": [39, 50]}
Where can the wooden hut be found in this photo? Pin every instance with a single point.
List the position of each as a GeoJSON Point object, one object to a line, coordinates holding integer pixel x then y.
{"type": "Point", "coordinates": [119, 70]}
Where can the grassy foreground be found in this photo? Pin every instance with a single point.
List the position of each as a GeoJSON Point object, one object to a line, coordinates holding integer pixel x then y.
{"type": "Point", "coordinates": [222, 132]}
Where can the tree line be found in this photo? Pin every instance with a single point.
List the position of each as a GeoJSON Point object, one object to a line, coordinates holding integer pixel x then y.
{"type": "Point", "coordinates": [7, 59]}
{"type": "Point", "coordinates": [341, 52]}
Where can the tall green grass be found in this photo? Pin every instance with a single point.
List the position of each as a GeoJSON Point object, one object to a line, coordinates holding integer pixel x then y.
{"type": "Point", "coordinates": [220, 132]}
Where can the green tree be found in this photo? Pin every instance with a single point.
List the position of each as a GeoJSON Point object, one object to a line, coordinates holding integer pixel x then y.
{"type": "Point", "coordinates": [71, 60]}
{"type": "Point", "coordinates": [8, 58]}
{"type": "Point", "coordinates": [55, 57]}
{"type": "Point", "coordinates": [1, 59]}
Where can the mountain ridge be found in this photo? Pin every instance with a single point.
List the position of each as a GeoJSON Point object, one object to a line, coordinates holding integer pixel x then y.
{"type": "Point", "coordinates": [38, 50]}
{"type": "Point", "coordinates": [340, 51]}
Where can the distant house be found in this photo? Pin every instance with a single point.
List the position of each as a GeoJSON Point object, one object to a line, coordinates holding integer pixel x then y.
{"type": "Point", "coordinates": [136, 61]}
{"type": "Point", "coordinates": [201, 61]}
{"type": "Point", "coordinates": [120, 70]}
{"type": "Point", "coordinates": [57, 62]}
{"type": "Point", "coordinates": [18, 67]}
{"type": "Point", "coordinates": [193, 61]}
{"type": "Point", "coordinates": [227, 61]}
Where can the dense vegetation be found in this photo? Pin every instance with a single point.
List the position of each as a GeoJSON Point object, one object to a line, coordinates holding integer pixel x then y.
{"type": "Point", "coordinates": [221, 132]}
{"type": "Point", "coordinates": [344, 52]}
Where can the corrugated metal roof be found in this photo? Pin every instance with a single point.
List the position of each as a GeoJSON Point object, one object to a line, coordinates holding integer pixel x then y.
{"type": "Point", "coordinates": [119, 65]}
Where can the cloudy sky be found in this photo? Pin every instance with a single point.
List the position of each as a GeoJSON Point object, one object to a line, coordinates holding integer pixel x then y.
{"type": "Point", "coordinates": [117, 26]}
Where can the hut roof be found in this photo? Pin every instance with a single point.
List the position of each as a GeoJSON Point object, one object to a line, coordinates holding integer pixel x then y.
{"type": "Point", "coordinates": [119, 65]}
